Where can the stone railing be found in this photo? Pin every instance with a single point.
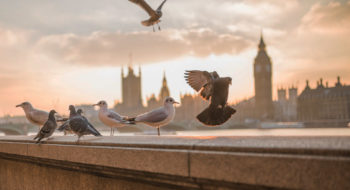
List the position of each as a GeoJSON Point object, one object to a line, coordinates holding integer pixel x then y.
{"type": "Point", "coordinates": [151, 162]}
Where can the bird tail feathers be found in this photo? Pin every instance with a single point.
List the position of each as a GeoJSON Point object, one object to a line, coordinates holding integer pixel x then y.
{"type": "Point", "coordinates": [214, 115]}
{"type": "Point", "coordinates": [131, 120]}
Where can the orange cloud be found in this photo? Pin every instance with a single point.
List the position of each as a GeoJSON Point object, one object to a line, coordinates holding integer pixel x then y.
{"type": "Point", "coordinates": [331, 18]}
{"type": "Point", "coordinates": [106, 48]}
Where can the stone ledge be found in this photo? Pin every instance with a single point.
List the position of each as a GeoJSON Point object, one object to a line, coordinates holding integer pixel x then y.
{"type": "Point", "coordinates": [191, 162]}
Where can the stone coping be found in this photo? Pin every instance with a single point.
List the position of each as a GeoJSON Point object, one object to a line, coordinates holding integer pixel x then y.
{"type": "Point", "coordinates": [325, 146]}
{"type": "Point", "coordinates": [278, 162]}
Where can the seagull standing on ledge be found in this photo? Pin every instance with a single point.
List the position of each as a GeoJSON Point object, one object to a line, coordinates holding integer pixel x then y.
{"type": "Point", "coordinates": [158, 117]}
{"type": "Point", "coordinates": [109, 117]}
{"type": "Point", "coordinates": [48, 128]}
{"type": "Point", "coordinates": [34, 116]}
{"type": "Point", "coordinates": [154, 14]}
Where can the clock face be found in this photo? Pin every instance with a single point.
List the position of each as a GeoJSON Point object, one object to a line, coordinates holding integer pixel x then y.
{"type": "Point", "coordinates": [257, 68]}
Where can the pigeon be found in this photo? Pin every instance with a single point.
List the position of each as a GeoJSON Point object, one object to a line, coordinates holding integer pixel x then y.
{"type": "Point", "coordinates": [154, 14]}
{"type": "Point", "coordinates": [214, 88]}
{"type": "Point", "coordinates": [48, 128]}
{"type": "Point", "coordinates": [34, 116]}
{"type": "Point", "coordinates": [109, 117]}
{"type": "Point", "coordinates": [65, 126]}
{"type": "Point", "coordinates": [158, 117]}
{"type": "Point", "coordinates": [80, 125]}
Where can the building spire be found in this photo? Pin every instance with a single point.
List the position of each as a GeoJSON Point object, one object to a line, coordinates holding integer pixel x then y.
{"type": "Point", "coordinates": [131, 70]}
{"type": "Point", "coordinates": [262, 43]}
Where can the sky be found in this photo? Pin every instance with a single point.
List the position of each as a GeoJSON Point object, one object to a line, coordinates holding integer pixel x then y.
{"type": "Point", "coordinates": [57, 53]}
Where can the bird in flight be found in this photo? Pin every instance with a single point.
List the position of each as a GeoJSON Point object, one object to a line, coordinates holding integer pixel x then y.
{"type": "Point", "coordinates": [154, 14]}
{"type": "Point", "coordinates": [214, 88]}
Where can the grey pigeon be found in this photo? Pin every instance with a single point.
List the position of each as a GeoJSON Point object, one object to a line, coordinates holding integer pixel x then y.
{"type": "Point", "coordinates": [48, 128]}
{"type": "Point", "coordinates": [80, 125]}
{"type": "Point", "coordinates": [212, 86]}
{"type": "Point", "coordinates": [110, 117]}
{"type": "Point", "coordinates": [34, 116]}
{"type": "Point", "coordinates": [65, 126]}
{"type": "Point", "coordinates": [158, 117]}
{"type": "Point", "coordinates": [154, 14]}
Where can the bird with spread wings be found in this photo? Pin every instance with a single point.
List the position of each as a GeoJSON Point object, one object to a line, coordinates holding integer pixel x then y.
{"type": "Point", "coordinates": [154, 14]}
{"type": "Point", "coordinates": [213, 88]}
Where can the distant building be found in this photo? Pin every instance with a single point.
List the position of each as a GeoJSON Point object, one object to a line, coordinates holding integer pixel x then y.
{"type": "Point", "coordinates": [245, 110]}
{"type": "Point", "coordinates": [190, 107]}
{"type": "Point", "coordinates": [131, 89]}
{"type": "Point", "coordinates": [286, 108]}
{"type": "Point", "coordinates": [324, 103]}
{"type": "Point", "coordinates": [153, 101]}
{"type": "Point", "coordinates": [263, 83]}
{"type": "Point", "coordinates": [131, 103]}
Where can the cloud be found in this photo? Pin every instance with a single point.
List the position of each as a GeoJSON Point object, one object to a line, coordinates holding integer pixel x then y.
{"type": "Point", "coordinates": [332, 18]}
{"type": "Point", "coordinates": [107, 48]}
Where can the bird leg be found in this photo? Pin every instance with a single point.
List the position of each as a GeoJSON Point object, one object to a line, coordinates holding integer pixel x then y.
{"type": "Point", "coordinates": [158, 131]}
{"type": "Point", "coordinates": [158, 27]}
{"type": "Point", "coordinates": [78, 139]}
{"type": "Point", "coordinates": [111, 132]}
{"type": "Point", "coordinates": [153, 28]}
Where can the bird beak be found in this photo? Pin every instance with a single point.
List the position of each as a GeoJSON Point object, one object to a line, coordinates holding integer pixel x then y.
{"type": "Point", "coordinates": [176, 103]}
{"type": "Point", "coordinates": [94, 104]}
{"type": "Point", "coordinates": [19, 105]}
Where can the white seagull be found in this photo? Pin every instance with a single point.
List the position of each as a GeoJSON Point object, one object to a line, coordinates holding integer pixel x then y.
{"type": "Point", "coordinates": [110, 117]}
{"type": "Point", "coordinates": [34, 116]}
{"type": "Point", "coordinates": [158, 117]}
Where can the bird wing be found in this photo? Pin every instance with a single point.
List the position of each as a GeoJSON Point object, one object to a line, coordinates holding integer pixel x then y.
{"type": "Point", "coordinates": [63, 126]}
{"type": "Point", "coordinates": [115, 116]}
{"type": "Point", "coordinates": [145, 6]}
{"type": "Point", "coordinates": [39, 116]}
{"type": "Point", "coordinates": [91, 127]}
{"type": "Point", "coordinates": [161, 5]}
{"type": "Point", "coordinates": [197, 79]}
{"type": "Point", "coordinates": [153, 116]}
{"type": "Point", "coordinates": [47, 129]}
{"type": "Point", "coordinates": [80, 126]}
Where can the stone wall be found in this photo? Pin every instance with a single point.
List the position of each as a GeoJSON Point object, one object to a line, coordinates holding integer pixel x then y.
{"type": "Point", "coordinates": [149, 162]}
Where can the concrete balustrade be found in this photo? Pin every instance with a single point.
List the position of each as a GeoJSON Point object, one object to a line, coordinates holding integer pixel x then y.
{"type": "Point", "coordinates": [169, 162]}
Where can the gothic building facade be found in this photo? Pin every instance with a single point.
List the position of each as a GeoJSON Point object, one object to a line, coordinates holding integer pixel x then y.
{"type": "Point", "coordinates": [286, 107]}
{"type": "Point", "coordinates": [324, 102]}
{"type": "Point", "coordinates": [263, 83]}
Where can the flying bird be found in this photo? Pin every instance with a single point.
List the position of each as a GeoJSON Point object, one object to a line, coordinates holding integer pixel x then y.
{"type": "Point", "coordinates": [80, 125]}
{"type": "Point", "coordinates": [158, 117]}
{"type": "Point", "coordinates": [213, 88]}
{"type": "Point", "coordinates": [110, 117]}
{"type": "Point", "coordinates": [34, 116]}
{"type": "Point", "coordinates": [154, 14]}
{"type": "Point", "coordinates": [48, 128]}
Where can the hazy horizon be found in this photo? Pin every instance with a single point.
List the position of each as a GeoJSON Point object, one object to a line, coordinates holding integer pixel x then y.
{"type": "Point", "coordinates": [54, 54]}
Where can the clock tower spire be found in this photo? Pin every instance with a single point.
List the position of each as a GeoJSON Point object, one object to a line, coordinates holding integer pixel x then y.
{"type": "Point", "coordinates": [263, 83]}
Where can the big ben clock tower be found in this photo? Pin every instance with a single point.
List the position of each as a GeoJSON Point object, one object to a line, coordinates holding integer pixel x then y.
{"type": "Point", "coordinates": [263, 83]}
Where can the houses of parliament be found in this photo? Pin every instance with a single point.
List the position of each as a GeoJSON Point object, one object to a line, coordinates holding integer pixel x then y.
{"type": "Point", "coordinates": [132, 103]}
